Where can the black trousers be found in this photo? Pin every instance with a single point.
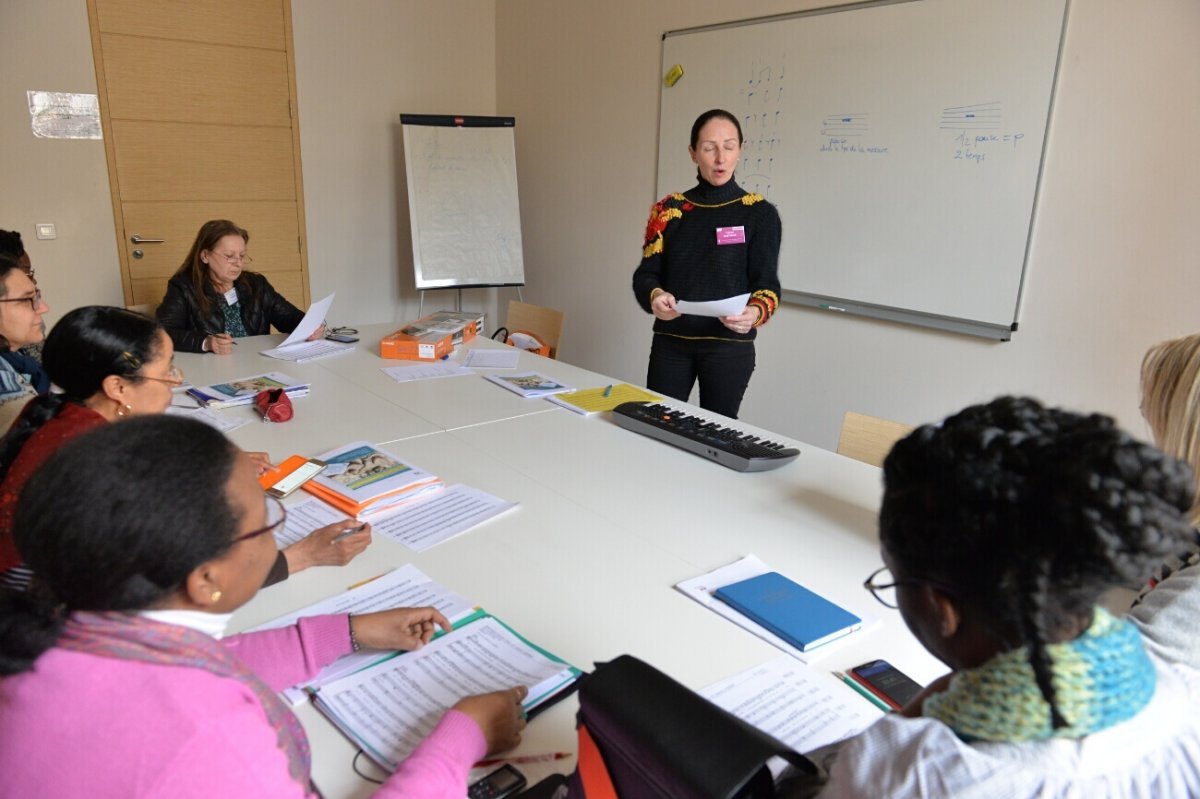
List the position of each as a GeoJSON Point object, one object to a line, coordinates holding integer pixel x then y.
{"type": "Point", "coordinates": [723, 368]}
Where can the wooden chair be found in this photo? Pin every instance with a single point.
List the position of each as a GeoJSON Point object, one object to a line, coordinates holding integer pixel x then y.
{"type": "Point", "coordinates": [145, 308]}
{"type": "Point", "coordinates": [545, 323]}
{"type": "Point", "coordinates": [868, 438]}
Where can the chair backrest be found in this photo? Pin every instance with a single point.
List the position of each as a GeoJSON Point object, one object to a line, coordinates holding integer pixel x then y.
{"type": "Point", "coordinates": [145, 308]}
{"type": "Point", "coordinates": [868, 438]}
{"type": "Point", "coordinates": [545, 323]}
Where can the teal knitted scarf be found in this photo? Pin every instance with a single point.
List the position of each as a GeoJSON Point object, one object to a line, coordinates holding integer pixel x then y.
{"type": "Point", "coordinates": [1101, 678]}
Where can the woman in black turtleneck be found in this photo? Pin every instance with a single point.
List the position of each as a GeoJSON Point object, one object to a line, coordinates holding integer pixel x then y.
{"type": "Point", "coordinates": [712, 242]}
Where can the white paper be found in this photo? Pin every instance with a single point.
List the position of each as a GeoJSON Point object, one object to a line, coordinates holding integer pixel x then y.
{"type": "Point", "coordinates": [800, 706]}
{"type": "Point", "coordinates": [440, 517]}
{"type": "Point", "coordinates": [425, 371]}
{"type": "Point", "coordinates": [391, 707]}
{"type": "Point", "coordinates": [702, 588]}
{"type": "Point", "coordinates": [405, 587]}
{"type": "Point", "coordinates": [317, 313]}
{"type": "Point", "coordinates": [309, 350]}
{"type": "Point", "coordinates": [507, 358]}
{"type": "Point", "coordinates": [305, 517]}
{"type": "Point", "coordinates": [221, 421]}
{"type": "Point", "coordinates": [731, 306]}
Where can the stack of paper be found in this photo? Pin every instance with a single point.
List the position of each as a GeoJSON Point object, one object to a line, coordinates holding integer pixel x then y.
{"type": "Point", "coordinates": [363, 480]}
{"type": "Point", "coordinates": [389, 708]}
{"type": "Point", "coordinates": [590, 401]}
{"type": "Point", "coordinates": [243, 390]}
{"type": "Point", "coordinates": [297, 348]}
{"type": "Point", "coordinates": [529, 384]}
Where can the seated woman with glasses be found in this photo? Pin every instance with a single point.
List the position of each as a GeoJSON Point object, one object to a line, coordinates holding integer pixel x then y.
{"type": "Point", "coordinates": [111, 364]}
{"type": "Point", "coordinates": [118, 679]}
{"type": "Point", "coordinates": [21, 309]}
{"type": "Point", "coordinates": [13, 246]}
{"type": "Point", "coordinates": [213, 299]}
{"type": "Point", "coordinates": [1001, 529]}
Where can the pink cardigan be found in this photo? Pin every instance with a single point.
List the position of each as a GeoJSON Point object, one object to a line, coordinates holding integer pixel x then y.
{"type": "Point", "coordinates": [82, 725]}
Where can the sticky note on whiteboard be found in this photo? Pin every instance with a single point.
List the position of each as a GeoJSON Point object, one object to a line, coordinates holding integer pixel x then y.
{"type": "Point", "coordinates": [673, 75]}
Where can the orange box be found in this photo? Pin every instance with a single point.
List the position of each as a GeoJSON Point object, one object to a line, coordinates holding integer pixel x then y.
{"type": "Point", "coordinates": [429, 347]}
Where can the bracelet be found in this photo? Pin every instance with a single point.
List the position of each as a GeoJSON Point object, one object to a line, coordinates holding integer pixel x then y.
{"type": "Point", "coordinates": [354, 647]}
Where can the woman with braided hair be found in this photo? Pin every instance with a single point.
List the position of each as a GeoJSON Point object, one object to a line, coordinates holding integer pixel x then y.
{"type": "Point", "coordinates": [1000, 529]}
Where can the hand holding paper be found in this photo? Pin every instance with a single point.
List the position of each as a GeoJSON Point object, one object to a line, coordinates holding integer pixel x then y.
{"type": "Point", "coordinates": [731, 306]}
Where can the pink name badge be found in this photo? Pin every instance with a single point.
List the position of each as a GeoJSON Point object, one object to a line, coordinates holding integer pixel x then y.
{"type": "Point", "coordinates": [731, 235]}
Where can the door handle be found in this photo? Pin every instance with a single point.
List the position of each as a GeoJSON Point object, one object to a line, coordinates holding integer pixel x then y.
{"type": "Point", "coordinates": [136, 239]}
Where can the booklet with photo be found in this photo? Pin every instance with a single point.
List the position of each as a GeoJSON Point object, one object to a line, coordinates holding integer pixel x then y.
{"type": "Point", "coordinates": [529, 384]}
{"type": "Point", "coordinates": [243, 390]}
{"type": "Point", "coordinates": [363, 480]}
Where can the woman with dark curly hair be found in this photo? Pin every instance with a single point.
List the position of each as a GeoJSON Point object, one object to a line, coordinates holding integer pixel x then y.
{"type": "Point", "coordinates": [1000, 529]}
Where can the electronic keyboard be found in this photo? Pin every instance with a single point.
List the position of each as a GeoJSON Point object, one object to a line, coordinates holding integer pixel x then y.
{"type": "Point", "coordinates": [725, 445]}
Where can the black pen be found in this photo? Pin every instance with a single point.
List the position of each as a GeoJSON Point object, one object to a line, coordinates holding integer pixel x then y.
{"type": "Point", "coordinates": [232, 340]}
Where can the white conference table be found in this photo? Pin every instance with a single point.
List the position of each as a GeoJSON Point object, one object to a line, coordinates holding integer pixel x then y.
{"type": "Point", "coordinates": [607, 522]}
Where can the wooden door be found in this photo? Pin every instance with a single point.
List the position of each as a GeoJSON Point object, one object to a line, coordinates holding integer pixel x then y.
{"type": "Point", "coordinates": [197, 103]}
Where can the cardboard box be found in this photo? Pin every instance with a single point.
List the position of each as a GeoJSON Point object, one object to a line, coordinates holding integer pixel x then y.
{"type": "Point", "coordinates": [428, 347]}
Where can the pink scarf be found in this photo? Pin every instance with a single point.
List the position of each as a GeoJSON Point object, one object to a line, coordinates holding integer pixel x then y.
{"type": "Point", "coordinates": [130, 637]}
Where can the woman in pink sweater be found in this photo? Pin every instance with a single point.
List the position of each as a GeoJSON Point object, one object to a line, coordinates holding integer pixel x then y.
{"type": "Point", "coordinates": [116, 678]}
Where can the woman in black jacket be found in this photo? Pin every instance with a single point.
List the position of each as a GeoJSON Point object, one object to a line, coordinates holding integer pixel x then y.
{"type": "Point", "coordinates": [212, 299]}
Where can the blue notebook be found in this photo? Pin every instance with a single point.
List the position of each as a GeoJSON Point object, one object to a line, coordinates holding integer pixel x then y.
{"type": "Point", "coordinates": [803, 619]}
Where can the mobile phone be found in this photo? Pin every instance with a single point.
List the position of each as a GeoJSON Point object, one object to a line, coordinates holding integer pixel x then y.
{"type": "Point", "coordinates": [504, 781]}
{"type": "Point", "coordinates": [887, 682]}
{"type": "Point", "coordinates": [293, 480]}
{"type": "Point", "coordinates": [341, 338]}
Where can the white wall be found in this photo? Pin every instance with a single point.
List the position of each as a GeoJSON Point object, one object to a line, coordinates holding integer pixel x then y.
{"type": "Point", "coordinates": [1113, 261]}
{"type": "Point", "coordinates": [359, 65]}
{"type": "Point", "coordinates": [65, 181]}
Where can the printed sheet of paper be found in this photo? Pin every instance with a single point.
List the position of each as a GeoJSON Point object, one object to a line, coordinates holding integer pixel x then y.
{"type": "Point", "coordinates": [440, 517]}
{"type": "Point", "coordinates": [405, 587]}
{"type": "Point", "coordinates": [730, 306]}
{"type": "Point", "coordinates": [221, 421]}
{"type": "Point", "coordinates": [507, 358]}
{"type": "Point", "coordinates": [304, 517]}
{"type": "Point", "coordinates": [425, 371]}
{"type": "Point", "coordinates": [802, 707]}
{"type": "Point", "coordinates": [318, 312]}
{"type": "Point", "coordinates": [702, 588]}
{"type": "Point", "coordinates": [391, 707]}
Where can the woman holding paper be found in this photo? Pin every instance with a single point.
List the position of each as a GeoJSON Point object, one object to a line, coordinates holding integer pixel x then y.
{"type": "Point", "coordinates": [111, 364]}
{"type": "Point", "coordinates": [1001, 529]}
{"type": "Point", "coordinates": [118, 677]}
{"type": "Point", "coordinates": [212, 299]}
{"type": "Point", "coordinates": [712, 242]}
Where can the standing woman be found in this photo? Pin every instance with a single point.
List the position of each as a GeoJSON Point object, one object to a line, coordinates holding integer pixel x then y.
{"type": "Point", "coordinates": [712, 242]}
{"type": "Point", "coordinates": [212, 299]}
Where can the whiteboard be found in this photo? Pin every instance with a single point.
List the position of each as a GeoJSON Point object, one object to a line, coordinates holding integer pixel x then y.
{"type": "Point", "coordinates": [462, 201]}
{"type": "Point", "coordinates": [901, 141]}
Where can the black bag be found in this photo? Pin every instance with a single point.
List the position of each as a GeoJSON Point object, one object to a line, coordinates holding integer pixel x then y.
{"type": "Point", "coordinates": [642, 735]}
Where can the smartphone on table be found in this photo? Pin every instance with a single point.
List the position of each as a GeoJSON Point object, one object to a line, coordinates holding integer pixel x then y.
{"type": "Point", "coordinates": [504, 781]}
{"type": "Point", "coordinates": [294, 479]}
{"type": "Point", "coordinates": [887, 682]}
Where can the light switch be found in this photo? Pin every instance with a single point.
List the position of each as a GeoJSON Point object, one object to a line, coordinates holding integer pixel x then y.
{"type": "Point", "coordinates": [45, 230]}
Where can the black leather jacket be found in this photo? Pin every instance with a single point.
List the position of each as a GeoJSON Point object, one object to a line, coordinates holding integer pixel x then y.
{"type": "Point", "coordinates": [261, 305]}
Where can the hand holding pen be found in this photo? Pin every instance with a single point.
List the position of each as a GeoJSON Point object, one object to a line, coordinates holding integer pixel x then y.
{"type": "Point", "coordinates": [220, 343]}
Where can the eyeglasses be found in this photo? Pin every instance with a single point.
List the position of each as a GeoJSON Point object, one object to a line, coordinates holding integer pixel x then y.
{"type": "Point", "coordinates": [234, 258]}
{"type": "Point", "coordinates": [34, 301]}
{"type": "Point", "coordinates": [276, 516]}
{"type": "Point", "coordinates": [883, 587]}
{"type": "Point", "coordinates": [174, 377]}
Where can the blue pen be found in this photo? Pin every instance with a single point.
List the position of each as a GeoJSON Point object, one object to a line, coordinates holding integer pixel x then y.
{"type": "Point", "coordinates": [608, 391]}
